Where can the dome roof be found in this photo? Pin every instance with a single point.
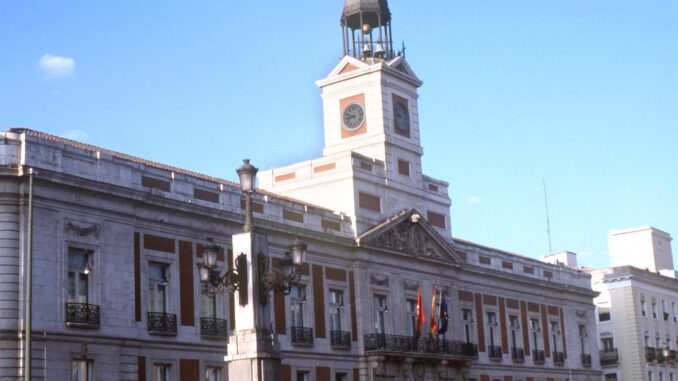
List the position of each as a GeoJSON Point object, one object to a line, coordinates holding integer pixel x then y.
{"type": "Point", "coordinates": [353, 8]}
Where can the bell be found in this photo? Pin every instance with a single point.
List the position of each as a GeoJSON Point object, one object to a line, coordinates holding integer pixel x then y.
{"type": "Point", "coordinates": [379, 52]}
{"type": "Point", "coordinates": [367, 49]}
{"type": "Point", "coordinates": [367, 28]}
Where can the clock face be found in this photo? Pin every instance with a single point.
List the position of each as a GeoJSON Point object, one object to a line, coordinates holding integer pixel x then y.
{"type": "Point", "coordinates": [402, 117]}
{"type": "Point", "coordinates": [353, 116]}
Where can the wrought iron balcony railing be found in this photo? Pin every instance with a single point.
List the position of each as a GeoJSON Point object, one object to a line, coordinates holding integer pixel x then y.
{"type": "Point", "coordinates": [650, 354]}
{"type": "Point", "coordinates": [302, 336]}
{"type": "Point", "coordinates": [608, 357]}
{"type": "Point", "coordinates": [82, 315]}
{"type": "Point", "coordinates": [586, 360]}
{"type": "Point", "coordinates": [494, 352]}
{"type": "Point", "coordinates": [213, 328]}
{"type": "Point", "coordinates": [410, 344]}
{"type": "Point", "coordinates": [538, 356]}
{"type": "Point", "coordinates": [558, 358]}
{"type": "Point", "coordinates": [162, 323]}
{"type": "Point", "coordinates": [340, 339]}
{"type": "Point", "coordinates": [517, 354]}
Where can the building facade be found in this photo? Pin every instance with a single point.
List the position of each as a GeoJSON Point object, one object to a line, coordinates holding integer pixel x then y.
{"type": "Point", "coordinates": [116, 241]}
{"type": "Point", "coordinates": [638, 307]}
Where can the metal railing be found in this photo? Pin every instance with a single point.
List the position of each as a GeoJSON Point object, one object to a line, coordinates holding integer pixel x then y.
{"type": "Point", "coordinates": [650, 354]}
{"type": "Point", "coordinates": [302, 335]}
{"type": "Point", "coordinates": [517, 354]}
{"type": "Point", "coordinates": [412, 344]}
{"type": "Point", "coordinates": [538, 356]}
{"type": "Point", "coordinates": [586, 360]}
{"type": "Point", "coordinates": [340, 339]}
{"type": "Point", "coordinates": [558, 358]}
{"type": "Point", "coordinates": [608, 357]}
{"type": "Point", "coordinates": [82, 314]}
{"type": "Point", "coordinates": [494, 352]}
{"type": "Point", "coordinates": [212, 327]}
{"type": "Point", "coordinates": [161, 322]}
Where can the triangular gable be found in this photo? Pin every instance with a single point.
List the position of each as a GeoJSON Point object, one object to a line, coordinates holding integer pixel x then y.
{"type": "Point", "coordinates": [409, 233]}
{"type": "Point", "coordinates": [347, 65]}
{"type": "Point", "coordinates": [399, 63]}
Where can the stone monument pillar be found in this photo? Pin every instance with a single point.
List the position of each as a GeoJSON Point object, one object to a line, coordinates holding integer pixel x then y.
{"type": "Point", "coordinates": [253, 349]}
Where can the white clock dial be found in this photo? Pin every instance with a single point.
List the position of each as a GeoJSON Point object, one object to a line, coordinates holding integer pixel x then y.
{"type": "Point", "coordinates": [353, 116]}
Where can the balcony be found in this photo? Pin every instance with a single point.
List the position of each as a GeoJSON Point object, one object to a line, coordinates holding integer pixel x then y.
{"type": "Point", "coordinates": [403, 346]}
{"type": "Point", "coordinates": [494, 352]}
{"type": "Point", "coordinates": [517, 355]}
{"type": "Point", "coordinates": [82, 315]}
{"type": "Point", "coordinates": [650, 354]}
{"type": "Point", "coordinates": [340, 339]}
{"type": "Point", "coordinates": [558, 358]}
{"type": "Point", "coordinates": [302, 336]}
{"type": "Point", "coordinates": [538, 356]}
{"type": "Point", "coordinates": [161, 323]}
{"type": "Point", "coordinates": [211, 328]}
{"type": "Point", "coordinates": [608, 357]}
{"type": "Point", "coordinates": [586, 360]}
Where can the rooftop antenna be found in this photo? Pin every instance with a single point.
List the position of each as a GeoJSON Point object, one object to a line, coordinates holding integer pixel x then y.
{"type": "Point", "coordinates": [548, 222]}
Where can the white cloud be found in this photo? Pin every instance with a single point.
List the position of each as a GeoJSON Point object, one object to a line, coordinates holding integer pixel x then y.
{"type": "Point", "coordinates": [79, 135]}
{"type": "Point", "coordinates": [56, 67]}
{"type": "Point", "coordinates": [473, 200]}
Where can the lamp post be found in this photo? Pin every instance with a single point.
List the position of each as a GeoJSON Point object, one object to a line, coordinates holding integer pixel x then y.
{"type": "Point", "coordinates": [253, 348]}
{"type": "Point", "coordinates": [248, 176]}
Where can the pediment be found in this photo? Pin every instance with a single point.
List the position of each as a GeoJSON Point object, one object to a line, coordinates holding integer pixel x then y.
{"type": "Point", "coordinates": [409, 233]}
{"type": "Point", "coordinates": [400, 64]}
{"type": "Point", "coordinates": [346, 65]}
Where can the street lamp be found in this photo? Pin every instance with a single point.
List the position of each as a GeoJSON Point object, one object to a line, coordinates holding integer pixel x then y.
{"type": "Point", "coordinates": [248, 178]}
{"type": "Point", "coordinates": [282, 279]}
{"type": "Point", "coordinates": [213, 282]}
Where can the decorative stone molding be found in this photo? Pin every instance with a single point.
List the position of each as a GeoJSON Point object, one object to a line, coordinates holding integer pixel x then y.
{"type": "Point", "coordinates": [581, 314]}
{"type": "Point", "coordinates": [409, 237]}
{"type": "Point", "coordinates": [82, 230]}
{"type": "Point", "coordinates": [379, 280]}
{"type": "Point", "coordinates": [410, 285]}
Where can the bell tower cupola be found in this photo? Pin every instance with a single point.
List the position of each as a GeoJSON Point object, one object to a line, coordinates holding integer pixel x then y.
{"type": "Point", "coordinates": [366, 29]}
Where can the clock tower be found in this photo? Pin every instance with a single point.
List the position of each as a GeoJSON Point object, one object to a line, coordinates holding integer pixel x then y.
{"type": "Point", "coordinates": [371, 165]}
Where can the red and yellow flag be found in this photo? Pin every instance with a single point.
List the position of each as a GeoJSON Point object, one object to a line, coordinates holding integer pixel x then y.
{"type": "Point", "coordinates": [421, 317]}
{"type": "Point", "coordinates": [433, 327]}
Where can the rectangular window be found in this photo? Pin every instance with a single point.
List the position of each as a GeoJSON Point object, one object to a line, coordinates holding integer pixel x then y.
{"type": "Point", "coordinates": [81, 370]}
{"type": "Point", "coordinates": [411, 316]}
{"type": "Point", "coordinates": [209, 306]}
{"type": "Point", "coordinates": [212, 373]}
{"type": "Point", "coordinates": [157, 287]}
{"type": "Point", "coordinates": [534, 325]}
{"type": "Point", "coordinates": [336, 308]}
{"type": "Point", "coordinates": [344, 377]}
{"type": "Point", "coordinates": [611, 377]}
{"type": "Point", "coordinates": [367, 201]}
{"type": "Point", "coordinates": [604, 314]}
{"type": "Point", "coordinates": [302, 376]}
{"type": "Point", "coordinates": [654, 310]}
{"type": "Point", "coordinates": [403, 167]}
{"type": "Point", "coordinates": [515, 327]}
{"type": "Point", "coordinates": [78, 275]}
{"type": "Point", "coordinates": [297, 303]}
{"type": "Point", "coordinates": [675, 312]}
{"type": "Point", "coordinates": [555, 335]}
{"type": "Point", "coordinates": [161, 372]}
{"type": "Point", "coordinates": [583, 334]}
{"type": "Point", "coordinates": [436, 219]}
{"type": "Point", "coordinates": [467, 317]}
{"type": "Point", "coordinates": [665, 311]}
{"type": "Point", "coordinates": [379, 313]}
{"type": "Point", "coordinates": [643, 305]}
{"type": "Point", "coordinates": [492, 326]}
{"type": "Point", "coordinates": [607, 344]}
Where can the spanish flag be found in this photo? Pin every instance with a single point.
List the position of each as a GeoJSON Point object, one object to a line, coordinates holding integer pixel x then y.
{"type": "Point", "coordinates": [421, 317]}
{"type": "Point", "coordinates": [433, 327]}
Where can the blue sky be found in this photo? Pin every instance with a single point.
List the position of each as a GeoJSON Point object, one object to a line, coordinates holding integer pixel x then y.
{"type": "Point", "coordinates": [583, 94]}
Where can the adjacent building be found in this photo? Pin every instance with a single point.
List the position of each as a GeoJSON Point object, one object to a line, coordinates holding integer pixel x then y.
{"type": "Point", "coordinates": [638, 307]}
{"type": "Point", "coordinates": [116, 241]}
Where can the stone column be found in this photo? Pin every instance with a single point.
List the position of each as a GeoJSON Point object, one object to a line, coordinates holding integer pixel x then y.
{"type": "Point", "coordinates": [253, 349]}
